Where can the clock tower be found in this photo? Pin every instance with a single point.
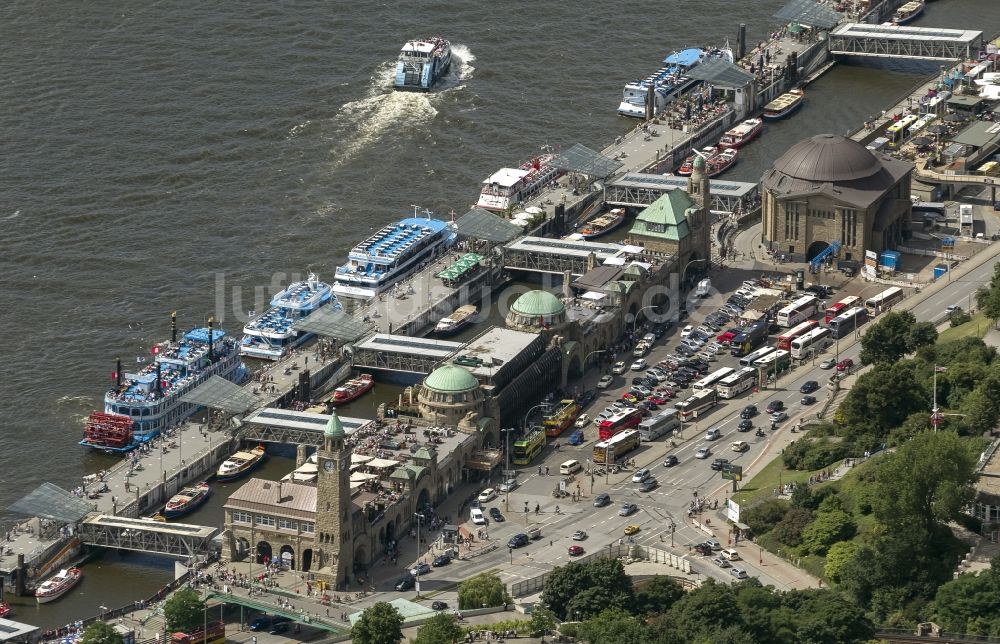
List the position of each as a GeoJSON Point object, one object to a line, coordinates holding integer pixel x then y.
{"type": "Point", "coordinates": [334, 538]}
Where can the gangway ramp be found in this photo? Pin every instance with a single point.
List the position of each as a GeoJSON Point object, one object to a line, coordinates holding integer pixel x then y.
{"type": "Point", "coordinates": [147, 535]}
{"type": "Point", "coordinates": [638, 190]}
{"type": "Point", "coordinates": [402, 353]}
{"type": "Point", "coordinates": [908, 43]}
{"type": "Point", "coordinates": [556, 256]}
{"type": "Point", "coordinates": [273, 425]}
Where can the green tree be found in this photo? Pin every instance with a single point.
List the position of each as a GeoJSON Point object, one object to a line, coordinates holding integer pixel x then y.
{"type": "Point", "coordinates": [657, 595]}
{"type": "Point", "coordinates": [887, 340]}
{"type": "Point", "coordinates": [988, 297]}
{"type": "Point", "coordinates": [881, 400]}
{"type": "Point", "coordinates": [101, 633]}
{"type": "Point", "coordinates": [614, 626]}
{"type": "Point", "coordinates": [826, 529]}
{"type": "Point", "coordinates": [605, 578]}
{"type": "Point", "coordinates": [706, 609]}
{"type": "Point", "coordinates": [789, 530]}
{"type": "Point", "coordinates": [838, 555]}
{"type": "Point", "coordinates": [969, 604]}
{"type": "Point", "coordinates": [485, 589]}
{"type": "Point", "coordinates": [931, 480]}
{"type": "Point", "coordinates": [440, 629]}
{"type": "Point", "coordinates": [184, 612]}
{"type": "Point", "coordinates": [380, 623]}
{"type": "Point", "coordinates": [829, 618]}
{"type": "Point", "coordinates": [542, 620]}
{"type": "Point", "coordinates": [762, 518]}
{"type": "Point", "coordinates": [921, 334]}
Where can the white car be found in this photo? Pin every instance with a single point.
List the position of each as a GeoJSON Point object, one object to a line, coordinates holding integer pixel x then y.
{"type": "Point", "coordinates": [487, 495]}
{"type": "Point", "coordinates": [581, 421]}
{"type": "Point", "coordinates": [639, 364]}
{"type": "Point", "coordinates": [619, 368]}
{"type": "Point", "coordinates": [640, 350]}
{"type": "Point", "coordinates": [640, 475]}
{"type": "Point", "coordinates": [711, 435]}
{"type": "Point", "coordinates": [508, 485]}
{"type": "Point", "coordinates": [477, 516]}
{"type": "Point", "coordinates": [704, 452]}
{"type": "Point", "coordinates": [686, 331]}
{"type": "Point", "coordinates": [605, 381]}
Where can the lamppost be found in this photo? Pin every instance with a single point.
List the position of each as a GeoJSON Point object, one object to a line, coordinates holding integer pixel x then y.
{"type": "Point", "coordinates": [506, 448]}
{"type": "Point", "coordinates": [636, 318]}
{"type": "Point", "coordinates": [587, 357]}
{"type": "Point", "coordinates": [419, 517]}
{"type": "Point", "coordinates": [688, 265]}
{"type": "Point", "coordinates": [524, 423]}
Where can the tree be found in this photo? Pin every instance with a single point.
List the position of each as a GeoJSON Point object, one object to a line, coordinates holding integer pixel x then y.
{"type": "Point", "coordinates": [614, 626]}
{"type": "Point", "coordinates": [101, 633]}
{"type": "Point", "coordinates": [931, 480]}
{"type": "Point", "coordinates": [838, 555]}
{"type": "Point", "coordinates": [440, 629]}
{"type": "Point", "coordinates": [542, 620]}
{"type": "Point", "coordinates": [605, 578]}
{"type": "Point", "coordinates": [988, 297]}
{"type": "Point", "coordinates": [380, 623]}
{"type": "Point", "coordinates": [762, 518]}
{"type": "Point", "coordinates": [184, 612]}
{"type": "Point", "coordinates": [829, 618]}
{"type": "Point", "coordinates": [881, 400]}
{"type": "Point", "coordinates": [921, 334]}
{"type": "Point", "coordinates": [789, 530]}
{"type": "Point", "coordinates": [886, 340]}
{"type": "Point", "coordinates": [657, 595]}
{"type": "Point", "coordinates": [826, 529]}
{"type": "Point", "coordinates": [710, 607]}
{"type": "Point", "coordinates": [589, 602]}
{"type": "Point", "coordinates": [485, 589]}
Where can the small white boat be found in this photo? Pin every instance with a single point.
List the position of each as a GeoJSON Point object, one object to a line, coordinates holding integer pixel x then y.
{"type": "Point", "coordinates": [240, 464]}
{"type": "Point", "coordinates": [57, 586]}
{"type": "Point", "coordinates": [908, 12]}
{"type": "Point", "coordinates": [460, 318]}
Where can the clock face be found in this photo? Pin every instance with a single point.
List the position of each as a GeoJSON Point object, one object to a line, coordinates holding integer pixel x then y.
{"type": "Point", "coordinates": [329, 466]}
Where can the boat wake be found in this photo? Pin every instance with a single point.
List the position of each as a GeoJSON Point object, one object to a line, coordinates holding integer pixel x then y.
{"type": "Point", "coordinates": [363, 122]}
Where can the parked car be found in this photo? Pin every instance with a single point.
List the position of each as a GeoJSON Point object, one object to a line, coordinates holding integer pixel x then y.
{"type": "Point", "coordinates": [739, 573]}
{"type": "Point", "coordinates": [487, 495]}
{"type": "Point", "coordinates": [686, 331]}
{"type": "Point", "coordinates": [441, 560]}
{"type": "Point", "coordinates": [420, 569]}
{"type": "Point", "coordinates": [808, 387]}
{"type": "Point", "coordinates": [439, 605]}
{"type": "Point", "coordinates": [605, 381]}
{"type": "Point", "coordinates": [639, 365]}
{"type": "Point", "coordinates": [721, 563]}
{"type": "Point", "coordinates": [619, 368]}
{"type": "Point", "coordinates": [496, 515]}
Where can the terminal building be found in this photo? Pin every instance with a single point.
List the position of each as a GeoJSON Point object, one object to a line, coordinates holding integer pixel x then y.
{"type": "Point", "coordinates": [830, 188]}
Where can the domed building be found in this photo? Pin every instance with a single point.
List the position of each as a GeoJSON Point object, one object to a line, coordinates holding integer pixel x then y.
{"type": "Point", "coordinates": [537, 311]}
{"type": "Point", "coordinates": [831, 188]}
{"type": "Point", "coordinates": [448, 394]}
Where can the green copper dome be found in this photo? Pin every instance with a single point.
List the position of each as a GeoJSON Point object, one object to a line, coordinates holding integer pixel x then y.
{"type": "Point", "coordinates": [699, 162]}
{"type": "Point", "coordinates": [538, 303]}
{"type": "Point", "coordinates": [334, 428]}
{"type": "Point", "coordinates": [451, 378]}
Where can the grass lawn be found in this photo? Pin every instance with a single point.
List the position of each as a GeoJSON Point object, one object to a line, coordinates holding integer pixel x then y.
{"type": "Point", "coordinates": [762, 485]}
{"type": "Point", "coordinates": [977, 326]}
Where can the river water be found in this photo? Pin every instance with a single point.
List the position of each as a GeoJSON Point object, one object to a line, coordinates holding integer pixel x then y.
{"type": "Point", "coordinates": [177, 155]}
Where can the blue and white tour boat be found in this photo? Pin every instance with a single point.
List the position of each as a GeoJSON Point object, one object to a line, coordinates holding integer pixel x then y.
{"type": "Point", "coordinates": [421, 64]}
{"type": "Point", "coordinates": [668, 82]}
{"type": "Point", "coordinates": [272, 334]}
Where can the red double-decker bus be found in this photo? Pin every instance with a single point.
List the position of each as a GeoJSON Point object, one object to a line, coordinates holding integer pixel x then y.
{"type": "Point", "coordinates": [784, 342]}
{"type": "Point", "coordinates": [624, 419]}
{"type": "Point", "coordinates": [836, 309]}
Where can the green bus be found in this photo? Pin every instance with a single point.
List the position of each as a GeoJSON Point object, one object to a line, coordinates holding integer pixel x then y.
{"type": "Point", "coordinates": [527, 448]}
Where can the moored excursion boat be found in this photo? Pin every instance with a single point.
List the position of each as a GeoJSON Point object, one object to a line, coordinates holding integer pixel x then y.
{"type": "Point", "coordinates": [603, 224]}
{"type": "Point", "coordinates": [272, 334]}
{"type": "Point", "coordinates": [58, 585]}
{"type": "Point", "coordinates": [4, 609]}
{"type": "Point", "coordinates": [908, 12]}
{"type": "Point", "coordinates": [508, 186]}
{"type": "Point", "coordinates": [187, 500]}
{"type": "Point", "coordinates": [457, 320]}
{"type": "Point", "coordinates": [668, 82]}
{"type": "Point", "coordinates": [422, 63]}
{"type": "Point", "coordinates": [352, 389]}
{"type": "Point", "coordinates": [240, 464]}
{"type": "Point", "coordinates": [784, 105]}
{"type": "Point", "coordinates": [721, 162]}
{"type": "Point", "coordinates": [688, 166]}
{"type": "Point", "coordinates": [737, 137]}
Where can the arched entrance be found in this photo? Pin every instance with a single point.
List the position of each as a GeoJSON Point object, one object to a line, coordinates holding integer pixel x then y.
{"type": "Point", "coordinates": [815, 249]}
{"type": "Point", "coordinates": [242, 548]}
{"type": "Point", "coordinates": [423, 500]}
{"type": "Point", "coordinates": [575, 369]}
{"type": "Point", "coordinates": [287, 557]}
{"type": "Point", "coordinates": [390, 532]}
{"type": "Point", "coordinates": [307, 559]}
{"type": "Point", "coordinates": [360, 555]}
{"type": "Point", "coordinates": [264, 552]}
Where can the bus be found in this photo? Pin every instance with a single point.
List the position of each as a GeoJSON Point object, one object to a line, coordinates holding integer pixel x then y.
{"type": "Point", "coordinates": [664, 423]}
{"type": "Point", "coordinates": [883, 301]}
{"type": "Point", "coordinates": [845, 323]}
{"type": "Point", "coordinates": [751, 358]}
{"type": "Point", "coordinates": [896, 132]}
{"type": "Point", "coordinates": [784, 342]}
{"type": "Point", "coordinates": [838, 307]}
{"type": "Point", "coordinates": [617, 446]}
{"type": "Point", "coordinates": [214, 634]}
{"type": "Point", "coordinates": [625, 419]}
{"type": "Point", "coordinates": [751, 338]}
{"type": "Point", "coordinates": [775, 362]}
{"type": "Point", "coordinates": [561, 418]}
{"type": "Point", "coordinates": [804, 347]}
{"type": "Point", "coordinates": [711, 379]}
{"type": "Point", "coordinates": [737, 383]}
{"type": "Point", "coordinates": [797, 312]}
{"type": "Point", "coordinates": [527, 448]}
{"type": "Point", "coordinates": [700, 402]}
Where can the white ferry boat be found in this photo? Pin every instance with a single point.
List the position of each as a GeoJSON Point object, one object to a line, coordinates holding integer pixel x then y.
{"type": "Point", "coordinates": [422, 63]}
{"type": "Point", "coordinates": [668, 82]}
{"type": "Point", "coordinates": [58, 585]}
{"type": "Point", "coordinates": [908, 12]}
{"type": "Point", "coordinates": [390, 255]}
{"type": "Point", "coordinates": [509, 186]}
{"type": "Point", "coordinates": [145, 402]}
{"type": "Point", "coordinates": [740, 135]}
{"type": "Point", "coordinates": [272, 334]}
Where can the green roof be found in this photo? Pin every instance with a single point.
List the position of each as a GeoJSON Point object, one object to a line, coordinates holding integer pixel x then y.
{"type": "Point", "coordinates": [450, 378]}
{"type": "Point", "coordinates": [334, 428]}
{"type": "Point", "coordinates": [666, 217]}
{"type": "Point", "coordinates": [538, 303]}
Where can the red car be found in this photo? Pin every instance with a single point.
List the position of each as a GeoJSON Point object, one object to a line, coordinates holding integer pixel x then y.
{"type": "Point", "coordinates": [845, 365]}
{"type": "Point", "coordinates": [657, 400]}
{"type": "Point", "coordinates": [575, 551]}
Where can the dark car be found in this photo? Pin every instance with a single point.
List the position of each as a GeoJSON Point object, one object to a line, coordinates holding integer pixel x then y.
{"type": "Point", "coordinates": [576, 438]}
{"type": "Point", "coordinates": [808, 387]}
{"type": "Point", "coordinates": [586, 398]}
{"type": "Point", "coordinates": [601, 500]}
{"type": "Point", "coordinates": [639, 380]}
{"type": "Point", "coordinates": [703, 549]}
{"type": "Point", "coordinates": [278, 627]}
{"type": "Point", "coordinates": [648, 485]}
{"type": "Point", "coordinates": [420, 569]}
{"type": "Point", "coordinates": [699, 365]}
{"type": "Point", "coordinates": [775, 405]}
{"type": "Point", "coordinates": [268, 623]}
{"type": "Point", "coordinates": [495, 515]}
{"type": "Point", "coordinates": [439, 605]}
{"type": "Point", "coordinates": [518, 540]}
{"type": "Point", "coordinates": [745, 425]}
{"type": "Point", "coordinates": [670, 461]}
{"type": "Point", "coordinates": [719, 463]}
{"type": "Point", "coordinates": [441, 560]}
{"type": "Point", "coordinates": [749, 411]}
{"type": "Point", "coordinates": [808, 400]}
{"type": "Point", "coordinates": [406, 583]}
